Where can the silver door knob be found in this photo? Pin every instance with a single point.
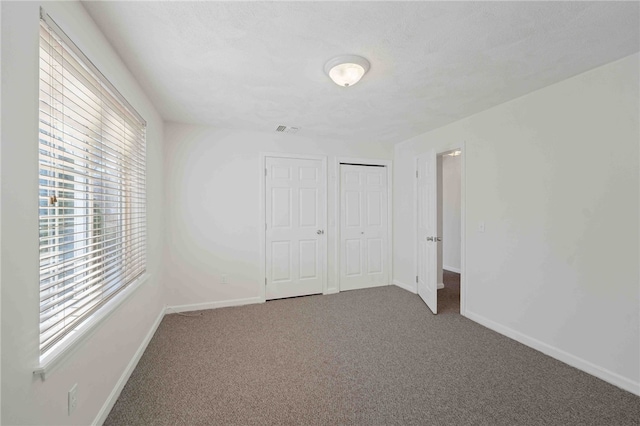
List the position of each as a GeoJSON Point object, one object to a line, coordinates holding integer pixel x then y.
{"type": "Point", "coordinates": [320, 232]}
{"type": "Point", "coordinates": [438, 239]}
{"type": "Point", "coordinates": [429, 238]}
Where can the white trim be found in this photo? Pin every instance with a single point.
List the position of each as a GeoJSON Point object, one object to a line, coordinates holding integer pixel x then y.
{"type": "Point", "coordinates": [572, 360]}
{"type": "Point", "coordinates": [115, 393]}
{"type": "Point", "coordinates": [411, 288]}
{"type": "Point", "coordinates": [388, 164]}
{"type": "Point", "coordinates": [263, 217]}
{"type": "Point", "coordinates": [440, 286]}
{"type": "Point", "coordinates": [67, 346]}
{"type": "Point", "coordinates": [451, 269]}
{"type": "Point", "coordinates": [332, 290]}
{"type": "Point", "coordinates": [463, 229]}
{"type": "Point", "coordinates": [441, 148]}
{"type": "Point", "coordinates": [212, 305]}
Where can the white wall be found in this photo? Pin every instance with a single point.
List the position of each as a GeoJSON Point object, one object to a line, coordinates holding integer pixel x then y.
{"type": "Point", "coordinates": [451, 175]}
{"type": "Point", "coordinates": [554, 175]}
{"type": "Point", "coordinates": [212, 208]}
{"type": "Point", "coordinates": [98, 364]}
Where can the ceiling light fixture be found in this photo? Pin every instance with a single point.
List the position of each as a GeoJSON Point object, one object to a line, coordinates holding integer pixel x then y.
{"type": "Point", "coordinates": [346, 70]}
{"type": "Point", "coordinates": [454, 153]}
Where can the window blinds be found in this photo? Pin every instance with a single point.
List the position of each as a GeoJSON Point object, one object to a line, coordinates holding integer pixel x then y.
{"type": "Point", "coordinates": [92, 218]}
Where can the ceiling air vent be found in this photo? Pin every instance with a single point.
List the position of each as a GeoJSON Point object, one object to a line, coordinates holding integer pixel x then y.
{"type": "Point", "coordinates": [285, 129]}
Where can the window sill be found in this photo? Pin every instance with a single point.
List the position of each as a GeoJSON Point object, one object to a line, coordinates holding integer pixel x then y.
{"type": "Point", "coordinates": [77, 337]}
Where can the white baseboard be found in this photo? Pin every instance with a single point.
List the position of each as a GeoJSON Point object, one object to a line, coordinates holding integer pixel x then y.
{"type": "Point", "coordinates": [452, 269]}
{"type": "Point", "coordinates": [115, 393]}
{"type": "Point", "coordinates": [572, 360]}
{"type": "Point", "coordinates": [440, 286]}
{"type": "Point", "coordinates": [332, 291]}
{"type": "Point", "coordinates": [412, 288]}
{"type": "Point", "coordinates": [213, 305]}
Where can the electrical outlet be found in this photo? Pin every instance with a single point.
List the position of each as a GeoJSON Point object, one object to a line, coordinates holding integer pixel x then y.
{"type": "Point", "coordinates": [223, 279]}
{"type": "Point", "coordinates": [73, 398]}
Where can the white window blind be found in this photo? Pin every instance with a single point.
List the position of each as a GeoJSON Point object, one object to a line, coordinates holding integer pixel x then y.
{"type": "Point", "coordinates": [92, 217]}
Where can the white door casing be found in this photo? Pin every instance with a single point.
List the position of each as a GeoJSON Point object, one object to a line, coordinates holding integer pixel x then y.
{"type": "Point", "coordinates": [295, 219]}
{"type": "Point", "coordinates": [427, 278]}
{"type": "Point", "coordinates": [363, 227]}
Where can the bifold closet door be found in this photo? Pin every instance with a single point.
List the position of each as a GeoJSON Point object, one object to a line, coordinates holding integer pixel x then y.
{"type": "Point", "coordinates": [363, 227]}
{"type": "Point", "coordinates": [295, 211]}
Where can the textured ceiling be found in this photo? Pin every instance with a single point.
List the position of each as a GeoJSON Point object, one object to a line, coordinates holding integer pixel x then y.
{"type": "Point", "coordinates": [256, 65]}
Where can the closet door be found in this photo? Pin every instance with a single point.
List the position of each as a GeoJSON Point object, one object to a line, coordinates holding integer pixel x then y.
{"type": "Point", "coordinates": [363, 227]}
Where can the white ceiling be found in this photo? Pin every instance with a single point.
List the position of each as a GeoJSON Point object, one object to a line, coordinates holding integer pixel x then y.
{"type": "Point", "coordinates": [256, 65]}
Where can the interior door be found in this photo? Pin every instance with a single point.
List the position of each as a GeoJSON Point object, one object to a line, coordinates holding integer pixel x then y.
{"type": "Point", "coordinates": [427, 225]}
{"type": "Point", "coordinates": [363, 227]}
{"type": "Point", "coordinates": [295, 219]}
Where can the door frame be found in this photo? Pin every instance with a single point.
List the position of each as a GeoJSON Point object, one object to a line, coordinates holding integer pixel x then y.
{"type": "Point", "coordinates": [263, 216]}
{"type": "Point", "coordinates": [388, 165]}
{"type": "Point", "coordinates": [440, 148]}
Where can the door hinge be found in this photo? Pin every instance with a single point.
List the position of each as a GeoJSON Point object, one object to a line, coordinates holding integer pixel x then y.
{"type": "Point", "coordinates": [265, 280]}
{"type": "Point", "coordinates": [416, 279]}
{"type": "Point", "coordinates": [416, 174]}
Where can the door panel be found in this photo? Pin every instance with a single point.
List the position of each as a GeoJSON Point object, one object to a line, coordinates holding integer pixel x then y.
{"type": "Point", "coordinates": [308, 259]}
{"type": "Point", "coordinates": [363, 227]}
{"type": "Point", "coordinates": [352, 257]}
{"type": "Point", "coordinates": [308, 207]}
{"type": "Point", "coordinates": [374, 207]}
{"type": "Point", "coordinates": [295, 212]}
{"type": "Point", "coordinates": [281, 207]}
{"type": "Point", "coordinates": [281, 260]}
{"type": "Point", "coordinates": [427, 229]}
{"type": "Point", "coordinates": [374, 256]}
{"type": "Point", "coordinates": [352, 178]}
{"type": "Point", "coordinates": [352, 201]}
{"type": "Point", "coordinates": [309, 174]}
{"type": "Point", "coordinates": [281, 172]}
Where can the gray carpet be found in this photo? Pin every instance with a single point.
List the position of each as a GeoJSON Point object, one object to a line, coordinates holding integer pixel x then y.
{"type": "Point", "coordinates": [366, 357]}
{"type": "Point", "coordinates": [449, 296]}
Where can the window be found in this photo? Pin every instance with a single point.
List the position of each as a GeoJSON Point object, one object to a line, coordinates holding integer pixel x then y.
{"type": "Point", "coordinates": [92, 218]}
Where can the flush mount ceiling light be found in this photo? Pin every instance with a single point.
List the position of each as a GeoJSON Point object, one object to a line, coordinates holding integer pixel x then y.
{"type": "Point", "coordinates": [346, 70]}
{"type": "Point", "coordinates": [454, 153]}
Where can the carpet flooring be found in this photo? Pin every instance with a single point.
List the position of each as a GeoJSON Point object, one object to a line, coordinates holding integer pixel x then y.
{"type": "Point", "coordinates": [449, 296]}
{"type": "Point", "coordinates": [365, 357]}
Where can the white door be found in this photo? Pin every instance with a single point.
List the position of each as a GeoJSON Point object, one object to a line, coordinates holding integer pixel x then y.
{"type": "Point", "coordinates": [363, 227]}
{"type": "Point", "coordinates": [295, 219]}
{"type": "Point", "coordinates": [427, 231]}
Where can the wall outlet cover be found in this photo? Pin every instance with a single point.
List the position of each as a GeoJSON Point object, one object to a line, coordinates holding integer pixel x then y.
{"type": "Point", "coordinates": [72, 399]}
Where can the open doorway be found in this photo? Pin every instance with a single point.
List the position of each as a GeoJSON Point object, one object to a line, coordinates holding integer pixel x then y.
{"type": "Point", "coordinates": [440, 264]}
{"type": "Point", "coordinates": [449, 184]}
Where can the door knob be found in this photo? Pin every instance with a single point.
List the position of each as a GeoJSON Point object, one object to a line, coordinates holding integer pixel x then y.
{"type": "Point", "coordinates": [438, 238]}
{"type": "Point", "coordinates": [429, 238]}
{"type": "Point", "coordinates": [320, 232]}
